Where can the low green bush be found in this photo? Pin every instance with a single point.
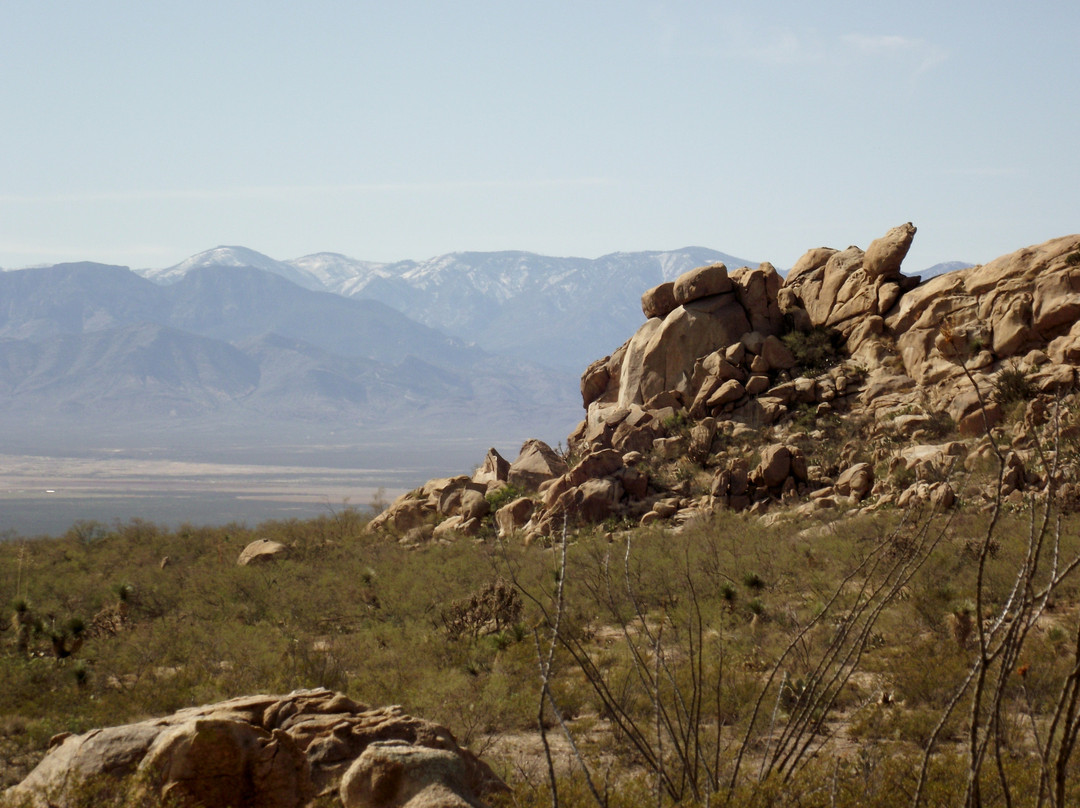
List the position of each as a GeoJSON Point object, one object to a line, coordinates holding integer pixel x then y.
{"type": "Point", "coordinates": [816, 350]}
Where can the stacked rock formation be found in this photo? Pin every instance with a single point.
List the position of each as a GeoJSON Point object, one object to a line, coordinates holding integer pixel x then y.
{"type": "Point", "coordinates": [713, 365]}
{"type": "Point", "coordinates": [270, 751]}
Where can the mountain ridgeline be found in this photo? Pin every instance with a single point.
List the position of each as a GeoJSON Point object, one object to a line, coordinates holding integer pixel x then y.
{"type": "Point", "coordinates": [237, 339]}
{"type": "Point", "coordinates": [556, 312]}
{"type": "Point", "coordinates": [88, 342]}
{"type": "Point", "coordinates": [456, 342]}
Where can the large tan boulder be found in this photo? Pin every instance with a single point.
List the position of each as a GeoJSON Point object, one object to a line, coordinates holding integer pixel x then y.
{"type": "Point", "coordinates": [449, 497]}
{"type": "Point", "coordinates": [595, 381]}
{"type": "Point", "coordinates": [813, 259]}
{"type": "Point", "coordinates": [595, 500]}
{"type": "Point", "coordinates": [701, 282]}
{"type": "Point", "coordinates": [663, 353]}
{"type": "Point", "coordinates": [629, 372]}
{"type": "Point", "coordinates": [223, 761]}
{"type": "Point", "coordinates": [659, 301]}
{"type": "Point", "coordinates": [405, 513]}
{"type": "Point", "coordinates": [262, 551]}
{"type": "Point", "coordinates": [448, 529]}
{"type": "Point", "coordinates": [636, 435]}
{"type": "Point", "coordinates": [598, 463]}
{"type": "Point", "coordinates": [729, 392]}
{"type": "Point", "coordinates": [513, 516]}
{"type": "Point", "coordinates": [474, 505]}
{"type": "Point", "coordinates": [884, 255]}
{"type": "Point", "coordinates": [261, 751]}
{"type": "Point", "coordinates": [494, 469]}
{"type": "Point", "coordinates": [396, 774]}
{"type": "Point", "coordinates": [535, 463]}
{"type": "Point", "coordinates": [856, 481]}
{"type": "Point", "coordinates": [777, 354]}
{"type": "Point", "coordinates": [757, 290]}
{"type": "Point", "coordinates": [775, 466]}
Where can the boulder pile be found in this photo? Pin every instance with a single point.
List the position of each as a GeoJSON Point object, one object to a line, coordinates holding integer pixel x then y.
{"type": "Point", "coordinates": [272, 752]}
{"type": "Point", "coordinates": [745, 389]}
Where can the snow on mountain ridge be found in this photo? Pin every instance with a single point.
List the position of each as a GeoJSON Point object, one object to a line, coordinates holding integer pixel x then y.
{"type": "Point", "coordinates": [334, 268]}
{"type": "Point", "coordinates": [227, 256]}
{"type": "Point", "coordinates": [556, 311]}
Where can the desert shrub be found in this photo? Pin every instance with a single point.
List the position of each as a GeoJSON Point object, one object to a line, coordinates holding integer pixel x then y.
{"type": "Point", "coordinates": [1012, 385]}
{"type": "Point", "coordinates": [492, 610]}
{"type": "Point", "coordinates": [504, 496]}
{"type": "Point", "coordinates": [373, 619]}
{"type": "Point", "coordinates": [816, 350]}
{"type": "Point", "coordinates": [676, 424]}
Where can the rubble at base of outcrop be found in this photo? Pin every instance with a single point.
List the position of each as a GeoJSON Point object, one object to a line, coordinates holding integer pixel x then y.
{"type": "Point", "coordinates": [714, 402]}
{"type": "Point", "coordinates": [272, 752]}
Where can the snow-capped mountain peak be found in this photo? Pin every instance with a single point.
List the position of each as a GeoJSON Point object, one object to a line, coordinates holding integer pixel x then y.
{"type": "Point", "coordinates": [226, 256]}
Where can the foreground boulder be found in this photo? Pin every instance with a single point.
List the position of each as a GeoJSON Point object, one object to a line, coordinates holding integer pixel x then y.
{"type": "Point", "coordinates": [262, 551]}
{"type": "Point", "coordinates": [272, 752]}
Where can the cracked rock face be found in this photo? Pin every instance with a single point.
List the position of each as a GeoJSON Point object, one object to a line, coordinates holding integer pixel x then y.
{"type": "Point", "coordinates": [271, 752]}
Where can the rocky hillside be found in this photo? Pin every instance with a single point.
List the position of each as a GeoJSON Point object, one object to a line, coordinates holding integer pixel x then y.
{"type": "Point", "coordinates": [847, 384]}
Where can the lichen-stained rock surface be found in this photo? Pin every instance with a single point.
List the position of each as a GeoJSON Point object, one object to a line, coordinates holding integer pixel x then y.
{"type": "Point", "coordinates": [272, 752]}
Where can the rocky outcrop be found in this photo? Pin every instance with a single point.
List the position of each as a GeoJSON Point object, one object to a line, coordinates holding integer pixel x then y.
{"type": "Point", "coordinates": [1025, 301]}
{"type": "Point", "coordinates": [439, 508]}
{"type": "Point", "coordinates": [272, 751]}
{"type": "Point", "coordinates": [493, 471]}
{"type": "Point", "coordinates": [393, 774]}
{"type": "Point", "coordinates": [850, 290]}
{"type": "Point", "coordinates": [712, 309]}
{"type": "Point", "coordinates": [536, 463]}
{"type": "Point", "coordinates": [735, 379]}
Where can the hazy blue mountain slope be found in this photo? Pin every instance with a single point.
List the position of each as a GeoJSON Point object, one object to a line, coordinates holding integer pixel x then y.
{"type": "Point", "coordinates": [236, 303]}
{"type": "Point", "coordinates": [305, 381]}
{"type": "Point", "coordinates": [941, 269]}
{"type": "Point", "coordinates": [98, 343]}
{"type": "Point", "coordinates": [145, 368]}
{"type": "Point", "coordinates": [562, 312]}
{"type": "Point", "coordinates": [74, 299]}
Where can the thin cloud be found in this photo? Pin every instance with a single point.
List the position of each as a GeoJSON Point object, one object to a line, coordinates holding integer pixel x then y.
{"type": "Point", "coordinates": [927, 54]}
{"type": "Point", "coordinates": [286, 191]}
{"type": "Point", "coordinates": [986, 171]}
{"type": "Point", "coordinates": [787, 46]}
{"type": "Point", "coordinates": [781, 46]}
{"type": "Point", "coordinates": [886, 43]}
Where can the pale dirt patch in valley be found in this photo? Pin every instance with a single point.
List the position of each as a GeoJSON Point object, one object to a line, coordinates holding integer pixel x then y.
{"type": "Point", "coordinates": [40, 494]}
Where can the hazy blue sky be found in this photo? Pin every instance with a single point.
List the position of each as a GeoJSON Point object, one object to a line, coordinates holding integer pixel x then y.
{"type": "Point", "coordinates": [142, 132]}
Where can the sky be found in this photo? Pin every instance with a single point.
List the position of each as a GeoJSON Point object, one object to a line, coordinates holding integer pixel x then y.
{"type": "Point", "coordinates": [140, 133]}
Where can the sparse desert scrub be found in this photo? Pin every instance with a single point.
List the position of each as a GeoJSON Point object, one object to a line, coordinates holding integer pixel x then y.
{"type": "Point", "coordinates": [823, 656]}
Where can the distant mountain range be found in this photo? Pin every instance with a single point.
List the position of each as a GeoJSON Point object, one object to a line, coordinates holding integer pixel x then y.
{"type": "Point", "coordinates": [86, 342]}
{"type": "Point", "coordinates": [459, 341]}
{"type": "Point", "coordinates": [559, 312]}
{"type": "Point", "coordinates": [941, 269]}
